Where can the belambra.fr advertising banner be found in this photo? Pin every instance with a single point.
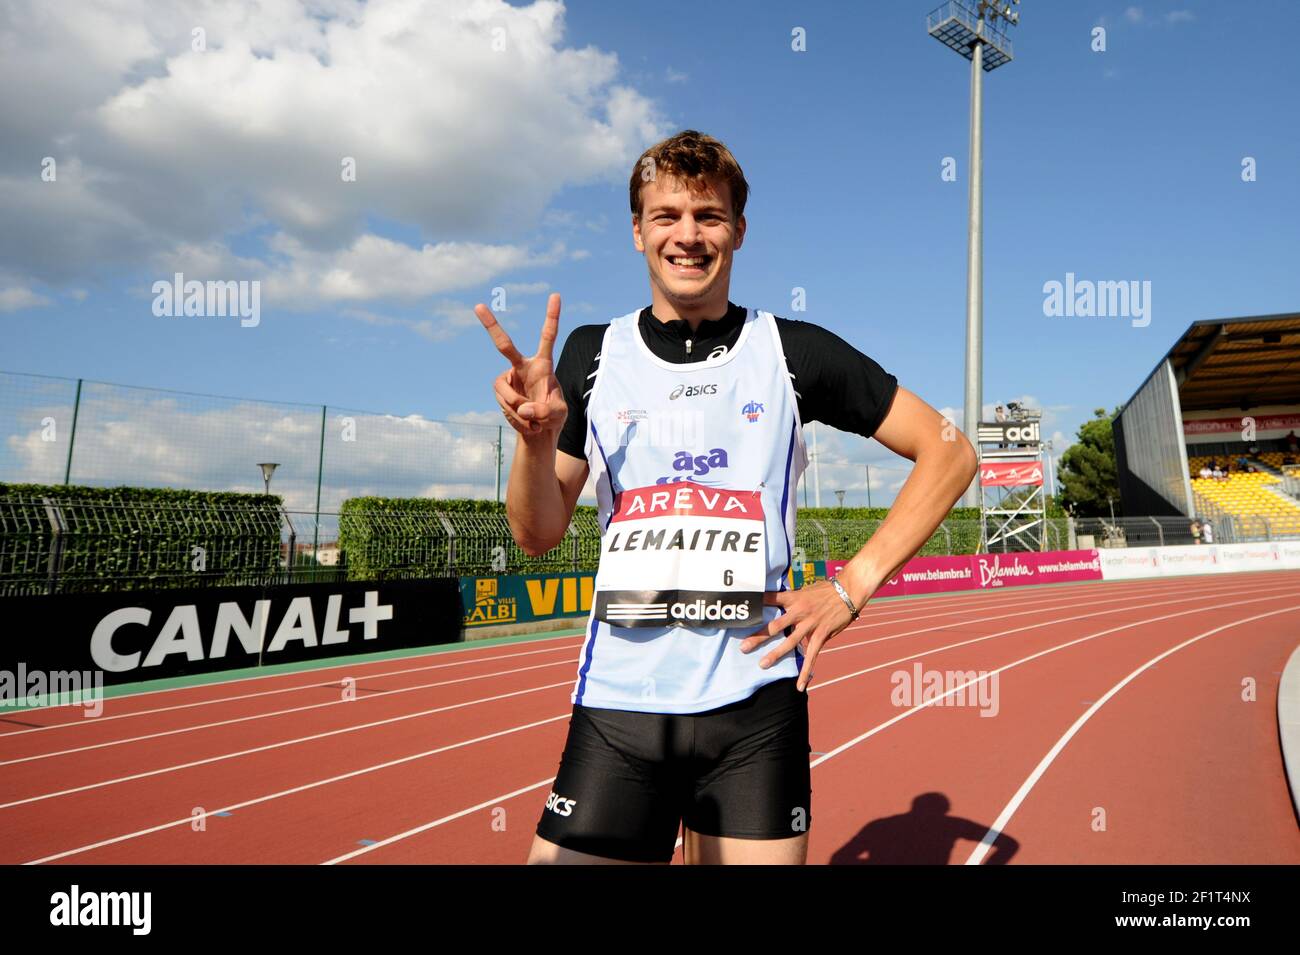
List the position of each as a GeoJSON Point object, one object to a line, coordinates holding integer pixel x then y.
{"type": "Point", "coordinates": [932, 575]}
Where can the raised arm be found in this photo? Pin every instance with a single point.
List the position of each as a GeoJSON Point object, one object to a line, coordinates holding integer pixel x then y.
{"type": "Point", "coordinates": [544, 483]}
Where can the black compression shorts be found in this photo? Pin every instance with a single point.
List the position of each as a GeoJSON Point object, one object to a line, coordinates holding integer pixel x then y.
{"type": "Point", "coordinates": [627, 780]}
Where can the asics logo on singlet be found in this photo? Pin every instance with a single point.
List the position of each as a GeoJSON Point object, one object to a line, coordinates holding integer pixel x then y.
{"type": "Point", "coordinates": [703, 610]}
{"type": "Point", "coordinates": [559, 804]}
{"type": "Point", "coordinates": [689, 466]}
{"type": "Point", "coordinates": [692, 391]}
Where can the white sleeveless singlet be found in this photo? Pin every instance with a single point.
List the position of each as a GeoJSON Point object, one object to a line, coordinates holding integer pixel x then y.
{"type": "Point", "coordinates": [695, 467]}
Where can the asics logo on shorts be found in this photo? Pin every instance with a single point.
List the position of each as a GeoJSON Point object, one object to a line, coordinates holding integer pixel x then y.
{"type": "Point", "coordinates": [560, 805]}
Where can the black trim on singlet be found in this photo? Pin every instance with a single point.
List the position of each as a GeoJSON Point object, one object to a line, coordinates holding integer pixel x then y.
{"type": "Point", "coordinates": [834, 383]}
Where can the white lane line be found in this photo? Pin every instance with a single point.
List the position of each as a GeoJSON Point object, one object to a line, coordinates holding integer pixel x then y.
{"type": "Point", "coordinates": [1033, 656]}
{"type": "Point", "coordinates": [312, 785]}
{"type": "Point", "coordinates": [1003, 633]}
{"type": "Point", "coordinates": [279, 745]}
{"type": "Point", "coordinates": [874, 730]}
{"type": "Point", "coordinates": [186, 820]}
{"type": "Point", "coordinates": [1131, 589]}
{"type": "Point", "coordinates": [288, 689]}
{"type": "Point", "coordinates": [487, 803]}
{"type": "Point", "coordinates": [1000, 824]}
{"type": "Point", "coordinates": [1038, 610]}
{"type": "Point", "coordinates": [376, 695]}
{"type": "Point", "coordinates": [365, 698]}
{"type": "Point", "coordinates": [899, 609]}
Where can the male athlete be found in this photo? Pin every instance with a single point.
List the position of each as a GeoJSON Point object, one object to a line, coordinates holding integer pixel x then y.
{"type": "Point", "coordinates": [688, 413]}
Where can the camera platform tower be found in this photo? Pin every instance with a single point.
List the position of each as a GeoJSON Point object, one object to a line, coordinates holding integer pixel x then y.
{"type": "Point", "coordinates": [1013, 508]}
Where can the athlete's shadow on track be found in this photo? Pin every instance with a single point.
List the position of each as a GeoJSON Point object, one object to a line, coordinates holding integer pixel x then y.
{"type": "Point", "coordinates": [924, 836]}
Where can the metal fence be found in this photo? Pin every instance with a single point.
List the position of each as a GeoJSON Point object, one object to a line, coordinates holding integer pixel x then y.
{"type": "Point", "coordinates": [70, 546]}
{"type": "Point", "coordinates": [1167, 531]}
{"type": "Point", "coordinates": [75, 431]}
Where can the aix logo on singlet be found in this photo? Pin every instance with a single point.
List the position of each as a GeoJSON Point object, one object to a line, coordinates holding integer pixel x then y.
{"type": "Point", "coordinates": [751, 411]}
{"type": "Point", "coordinates": [692, 467]}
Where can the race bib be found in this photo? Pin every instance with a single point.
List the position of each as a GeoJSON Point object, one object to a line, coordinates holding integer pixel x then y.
{"type": "Point", "coordinates": [683, 554]}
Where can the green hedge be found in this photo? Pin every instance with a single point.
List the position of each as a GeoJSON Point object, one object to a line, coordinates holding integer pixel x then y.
{"type": "Point", "coordinates": [384, 538]}
{"type": "Point", "coordinates": [404, 537]}
{"type": "Point", "coordinates": [128, 538]}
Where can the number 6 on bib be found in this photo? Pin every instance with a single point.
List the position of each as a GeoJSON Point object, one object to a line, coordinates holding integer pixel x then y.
{"type": "Point", "coordinates": [683, 554]}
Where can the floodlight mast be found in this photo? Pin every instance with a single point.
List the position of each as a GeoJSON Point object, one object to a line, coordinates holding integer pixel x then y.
{"type": "Point", "coordinates": [976, 35]}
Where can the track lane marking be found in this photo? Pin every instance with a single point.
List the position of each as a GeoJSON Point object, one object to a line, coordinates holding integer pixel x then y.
{"type": "Point", "coordinates": [279, 745]}
{"type": "Point", "coordinates": [226, 810]}
{"type": "Point", "coordinates": [381, 693]}
{"type": "Point", "coordinates": [845, 746]}
{"type": "Point", "coordinates": [999, 824]}
{"type": "Point", "coordinates": [893, 605]}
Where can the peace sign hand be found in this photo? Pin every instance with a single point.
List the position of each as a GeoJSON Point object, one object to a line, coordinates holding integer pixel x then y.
{"type": "Point", "coordinates": [528, 392]}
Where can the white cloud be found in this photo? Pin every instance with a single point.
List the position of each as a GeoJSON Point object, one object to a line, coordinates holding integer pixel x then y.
{"type": "Point", "coordinates": [162, 147]}
{"type": "Point", "coordinates": [148, 438]}
{"type": "Point", "coordinates": [1133, 14]}
{"type": "Point", "coordinates": [1179, 16]}
{"type": "Point", "coordinates": [16, 297]}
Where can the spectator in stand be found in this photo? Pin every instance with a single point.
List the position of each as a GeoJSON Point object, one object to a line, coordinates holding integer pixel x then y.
{"type": "Point", "coordinates": [1244, 464]}
{"type": "Point", "coordinates": [1196, 531]}
{"type": "Point", "coordinates": [1292, 442]}
{"type": "Point", "coordinates": [1218, 474]}
{"type": "Point", "coordinates": [1206, 473]}
{"type": "Point", "coordinates": [1207, 531]}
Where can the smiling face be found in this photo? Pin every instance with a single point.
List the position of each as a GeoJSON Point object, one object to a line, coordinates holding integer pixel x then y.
{"type": "Point", "coordinates": [688, 237]}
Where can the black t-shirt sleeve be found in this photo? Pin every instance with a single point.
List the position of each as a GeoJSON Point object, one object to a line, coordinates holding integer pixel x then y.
{"type": "Point", "coordinates": [835, 383]}
{"type": "Point", "coordinates": [573, 371]}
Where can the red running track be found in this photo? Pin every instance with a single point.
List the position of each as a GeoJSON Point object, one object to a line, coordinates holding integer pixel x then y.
{"type": "Point", "coordinates": [1113, 722]}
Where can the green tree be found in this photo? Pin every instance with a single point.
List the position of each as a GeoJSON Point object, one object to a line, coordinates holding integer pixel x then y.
{"type": "Point", "coordinates": [1086, 475]}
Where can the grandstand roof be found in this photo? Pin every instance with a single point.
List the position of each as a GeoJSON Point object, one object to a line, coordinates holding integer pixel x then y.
{"type": "Point", "coordinates": [1243, 362]}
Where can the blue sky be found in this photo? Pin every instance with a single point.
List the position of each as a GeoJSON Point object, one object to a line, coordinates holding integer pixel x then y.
{"type": "Point", "coordinates": [478, 170]}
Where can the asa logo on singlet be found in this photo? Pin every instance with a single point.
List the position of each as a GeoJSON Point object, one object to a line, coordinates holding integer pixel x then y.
{"type": "Point", "coordinates": [691, 467]}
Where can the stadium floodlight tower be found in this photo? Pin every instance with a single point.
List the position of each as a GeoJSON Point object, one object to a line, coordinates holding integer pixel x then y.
{"type": "Point", "coordinates": [973, 30]}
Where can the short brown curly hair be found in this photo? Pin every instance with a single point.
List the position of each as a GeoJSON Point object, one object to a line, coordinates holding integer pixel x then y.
{"type": "Point", "coordinates": [695, 158]}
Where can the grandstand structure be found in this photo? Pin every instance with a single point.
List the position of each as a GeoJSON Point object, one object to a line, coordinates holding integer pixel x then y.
{"type": "Point", "coordinates": [1225, 398]}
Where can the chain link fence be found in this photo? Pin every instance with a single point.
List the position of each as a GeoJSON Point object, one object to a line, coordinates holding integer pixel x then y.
{"type": "Point", "coordinates": [75, 431]}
